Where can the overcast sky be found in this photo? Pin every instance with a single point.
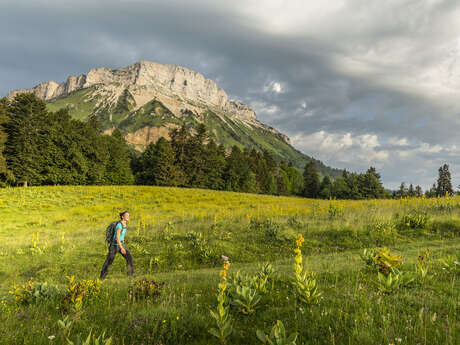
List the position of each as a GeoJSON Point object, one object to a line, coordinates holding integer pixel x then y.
{"type": "Point", "coordinates": [353, 83]}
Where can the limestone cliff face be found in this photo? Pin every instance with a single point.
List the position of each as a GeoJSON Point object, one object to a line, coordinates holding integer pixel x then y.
{"type": "Point", "coordinates": [179, 89]}
{"type": "Point", "coordinates": [168, 79]}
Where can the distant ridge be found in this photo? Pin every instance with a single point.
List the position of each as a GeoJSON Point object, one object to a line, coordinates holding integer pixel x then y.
{"type": "Point", "coordinates": [147, 99]}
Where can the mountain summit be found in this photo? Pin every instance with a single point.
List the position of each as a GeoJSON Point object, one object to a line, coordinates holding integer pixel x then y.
{"type": "Point", "coordinates": [147, 99]}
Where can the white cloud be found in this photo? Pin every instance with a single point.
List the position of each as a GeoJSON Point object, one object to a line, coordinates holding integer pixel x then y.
{"type": "Point", "coordinates": [274, 86]}
{"type": "Point", "coordinates": [359, 151]}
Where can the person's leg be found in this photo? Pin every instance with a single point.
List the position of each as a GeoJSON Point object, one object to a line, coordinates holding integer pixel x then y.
{"type": "Point", "coordinates": [129, 262]}
{"type": "Point", "coordinates": [108, 261]}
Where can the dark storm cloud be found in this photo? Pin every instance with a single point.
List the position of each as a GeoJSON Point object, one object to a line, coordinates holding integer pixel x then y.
{"type": "Point", "coordinates": [355, 83]}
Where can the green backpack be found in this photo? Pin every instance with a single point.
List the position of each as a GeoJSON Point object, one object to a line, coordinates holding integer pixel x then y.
{"type": "Point", "coordinates": [110, 231]}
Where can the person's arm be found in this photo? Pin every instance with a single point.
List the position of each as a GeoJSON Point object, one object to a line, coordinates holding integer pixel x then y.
{"type": "Point", "coordinates": [123, 251]}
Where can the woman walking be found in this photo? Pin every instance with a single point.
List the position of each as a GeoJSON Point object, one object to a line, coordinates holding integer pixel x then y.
{"type": "Point", "coordinates": [117, 246]}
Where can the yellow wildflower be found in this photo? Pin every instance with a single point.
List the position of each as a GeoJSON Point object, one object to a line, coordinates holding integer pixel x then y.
{"type": "Point", "coordinates": [300, 240]}
{"type": "Point", "coordinates": [226, 265]}
{"type": "Point", "coordinates": [222, 286]}
{"type": "Point", "coordinates": [223, 274]}
{"type": "Point", "coordinates": [298, 259]}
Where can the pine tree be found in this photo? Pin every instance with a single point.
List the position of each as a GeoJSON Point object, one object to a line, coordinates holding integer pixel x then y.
{"type": "Point", "coordinates": [195, 153]}
{"type": "Point", "coordinates": [270, 185]}
{"type": "Point", "coordinates": [282, 182]}
{"type": "Point", "coordinates": [326, 188]}
{"type": "Point", "coordinates": [236, 168]}
{"type": "Point", "coordinates": [411, 191]}
{"type": "Point", "coordinates": [249, 182]}
{"type": "Point", "coordinates": [295, 180]}
{"type": "Point", "coordinates": [164, 170]}
{"type": "Point", "coordinates": [179, 144]}
{"type": "Point", "coordinates": [311, 181]}
{"type": "Point", "coordinates": [118, 169]}
{"type": "Point", "coordinates": [402, 191]}
{"type": "Point", "coordinates": [214, 166]}
{"type": "Point", "coordinates": [22, 148]}
{"type": "Point", "coordinates": [444, 184]}
{"type": "Point", "coordinates": [371, 187]}
{"type": "Point", "coordinates": [340, 188]}
{"type": "Point", "coordinates": [147, 163]}
{"type": "Point", "coordinates": [418, 191]}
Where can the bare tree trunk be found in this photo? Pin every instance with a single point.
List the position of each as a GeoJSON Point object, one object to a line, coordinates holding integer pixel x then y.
{"type": "Point", "coordinates": [25, 183]}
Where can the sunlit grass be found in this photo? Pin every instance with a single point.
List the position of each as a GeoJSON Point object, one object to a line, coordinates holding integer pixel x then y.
{"type": "Point", "coordinates": [50, 232]}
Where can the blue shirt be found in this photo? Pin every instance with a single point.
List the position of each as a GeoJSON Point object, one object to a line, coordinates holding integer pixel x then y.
{"type": "Point", "coordinates": [122, 232]}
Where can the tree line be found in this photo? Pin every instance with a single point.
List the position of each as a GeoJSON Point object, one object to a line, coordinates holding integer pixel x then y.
{"type": "Point", "coordinates": [39, 147]}
{"type": "Point", "coordinates": [442, 186]}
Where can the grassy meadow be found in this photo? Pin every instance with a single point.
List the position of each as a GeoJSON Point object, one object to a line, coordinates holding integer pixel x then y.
{"type": "Point", "coordinates": [52, 249]}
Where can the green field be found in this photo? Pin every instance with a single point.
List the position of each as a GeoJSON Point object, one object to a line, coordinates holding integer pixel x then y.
{"type": "Point", "coordinates": [177, 237]}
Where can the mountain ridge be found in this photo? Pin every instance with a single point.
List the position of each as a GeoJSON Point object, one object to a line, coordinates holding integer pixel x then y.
{"type": "Point", "coordinates": [147, 99]}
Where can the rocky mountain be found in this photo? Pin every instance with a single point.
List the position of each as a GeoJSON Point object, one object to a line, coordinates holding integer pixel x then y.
{"type": "Point", "coordinates": [147, 99]}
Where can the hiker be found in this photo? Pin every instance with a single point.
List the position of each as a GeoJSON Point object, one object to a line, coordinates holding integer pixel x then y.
{"type": "Point", "coordinates": [117, 245]}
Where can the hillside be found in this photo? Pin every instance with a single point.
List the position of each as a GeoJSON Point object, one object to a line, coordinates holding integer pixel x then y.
{"type": "Point", "coordinates": [147, 99]}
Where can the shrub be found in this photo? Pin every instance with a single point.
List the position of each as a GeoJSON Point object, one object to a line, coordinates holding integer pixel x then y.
{"type": "Point", "coordinates": [201, 249]}
{"type": "Point", "coordinates": [368, 256]}
{"type": "Point", "coordinates": [144, 289]}
{"type": "Point", "coordinates": [414, 221]}
{"type": "Point", "coordinates": [31, 292]}
{"type": "Point", "coordinates": [269, 227]}
{"type": "Point", "coordinates": [386, 261]}
{"type": "Point", "coordinates": [77, 292]}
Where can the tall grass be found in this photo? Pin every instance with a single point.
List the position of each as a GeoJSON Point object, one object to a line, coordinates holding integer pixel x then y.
{"type": "Point", "coordinates": [177, 236]}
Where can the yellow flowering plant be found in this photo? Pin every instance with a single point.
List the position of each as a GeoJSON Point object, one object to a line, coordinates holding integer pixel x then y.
{"type": "Point", "coordinates": [304, 282]}
{"type": "Point", "coordinates": [222, 313]}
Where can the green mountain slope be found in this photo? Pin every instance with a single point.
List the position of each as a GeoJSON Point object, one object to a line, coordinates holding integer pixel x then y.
{"type": "Point", "coordinates": [120, 110]}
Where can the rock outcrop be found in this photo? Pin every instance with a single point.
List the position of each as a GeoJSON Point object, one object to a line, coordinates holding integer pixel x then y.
{"type": "Point", "coordinates": [171, 79]}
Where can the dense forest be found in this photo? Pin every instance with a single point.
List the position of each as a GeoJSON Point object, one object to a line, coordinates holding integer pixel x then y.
{"type": "Point", "coordinates": [39, 147]}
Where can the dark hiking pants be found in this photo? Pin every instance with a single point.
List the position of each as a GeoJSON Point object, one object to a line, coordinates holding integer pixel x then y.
{"type": "Point", "coordinates": [113, 250]}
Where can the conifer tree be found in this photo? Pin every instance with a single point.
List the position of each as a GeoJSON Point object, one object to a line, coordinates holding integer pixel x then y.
{"type": "Point", "coordinates": [179, 146]}
{"type": "Point", "coordinates": [295, 180]}
{"type": "Point", "coordinates": [118, 169]}
{"type": "Point", "coordinates": [282, 182]}
{"type": "Point", "coordinates": [311, 181]}
{"type": "Point", "coordinates": [195, 152]}
{"type": "Point", "coordinates": [235, 169]}
{"type": "Point", "coordinates": [340, 188]}
{"type": "Point", "coordinates": [444, 184]}
{"type": "Point", "coordinates": [270, 185]}
{"type": "Point", "coordinates": [411, 191]}
{"type": "Point", "coordinates": [147, 163]}
{"type": "Point", "coordinates": [249, 182]}
{"type": "Point", "coordinates": [418, 191]}
{"type": "Point", "coordinates": [326, 188]}
{"type": "Point", "coordinates": [214, 165]}
{"type": "Point", "coordinates": [164, 170]}
{"type": "Point", "coordinates": [22, 148]}
{"type": "Point", "coordinates": [402, 191]}
{"type": "Point", "coordinates": [371, 187]}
